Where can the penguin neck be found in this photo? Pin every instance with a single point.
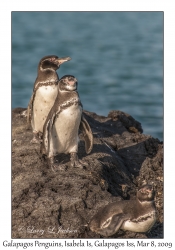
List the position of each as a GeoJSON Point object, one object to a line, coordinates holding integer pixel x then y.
{"type": "Point", "coordinates": [141, 208]}
{"type": "Point", "coordinates": [145, 205]}
{"type": "Point", "coordinates": [47, 75]}
{"type": "Point", "coordinates": [66, 93]}
{"type": "Point", "coordinates": [66, 96]}
{"type": "Point", "coordinates": [45, 78]}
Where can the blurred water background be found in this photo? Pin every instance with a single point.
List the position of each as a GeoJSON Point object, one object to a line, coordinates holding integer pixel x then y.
{"type": "Point", "coordinates": [117, 58]}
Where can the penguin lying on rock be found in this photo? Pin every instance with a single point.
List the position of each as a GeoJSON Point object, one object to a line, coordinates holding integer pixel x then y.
{"type": "Point", "coordinates": [44, 93]}
{"type": "Point", "coordinates": [65, 119]}
{"type": "Point", "coordinates": [138, 215]}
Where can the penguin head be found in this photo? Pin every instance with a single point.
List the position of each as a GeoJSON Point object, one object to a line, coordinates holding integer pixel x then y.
{"type": "Point", "coordinates": [52, 62]}
{"type": "Point", "coordinates": [146, 193]}
{"type": "Point", "coordinates": [68, 83]}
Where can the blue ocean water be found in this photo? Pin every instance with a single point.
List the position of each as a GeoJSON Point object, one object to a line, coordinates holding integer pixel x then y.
{"type": "Point", "coordinates": [117, 58]}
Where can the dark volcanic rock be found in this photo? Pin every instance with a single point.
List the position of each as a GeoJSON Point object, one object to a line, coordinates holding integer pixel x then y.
{"type": "Point", "coordinates": [48, 204]}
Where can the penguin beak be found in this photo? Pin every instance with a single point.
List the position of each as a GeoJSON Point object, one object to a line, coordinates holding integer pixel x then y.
{"type": "Point", "coordinates": [62, 60]}
{"type": "Point", "coordinates": [146, 190]}
{"type": "Point", "coordinates": [149, 190]}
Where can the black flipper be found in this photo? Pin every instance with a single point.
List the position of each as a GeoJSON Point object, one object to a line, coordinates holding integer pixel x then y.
{"type": "Point", "coordinates": [112, 226]}
{"type": "Point", "coordinates": [30, 109]}
{"type": "Point", "coordinates": [87, 134]}
{"type": "Point", "coordinates": [45, 145]}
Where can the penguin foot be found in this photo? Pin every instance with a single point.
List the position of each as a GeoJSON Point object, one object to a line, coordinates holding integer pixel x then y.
{"type": "Point", "coordinates": [37, 137]}
{"type": "Point", "coordinates": [75, 162]}
{"type": "Point", "coordinates": [35, 140]}
{"type": "Point", "coordinates": [55, 166]}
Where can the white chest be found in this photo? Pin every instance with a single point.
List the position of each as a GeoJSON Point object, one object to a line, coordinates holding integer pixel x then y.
{"type": "Point", "coordinates": [44, 99]}
{"type": "Point", "coordinates": [46, 94]}
{"type": "Point", "coordinates": [65, 130]}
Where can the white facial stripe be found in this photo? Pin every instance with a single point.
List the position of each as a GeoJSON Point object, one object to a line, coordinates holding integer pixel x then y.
{"type": "Point", "coordinates": [71, 87]}
{"type": "Point", "coordinates": [146, 201]}
{"type": "Point", "coordinates": [68, 87]}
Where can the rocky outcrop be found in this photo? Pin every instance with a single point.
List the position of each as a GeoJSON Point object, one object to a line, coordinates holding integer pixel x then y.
{"type": "Point", "coordinates": [47, 204]}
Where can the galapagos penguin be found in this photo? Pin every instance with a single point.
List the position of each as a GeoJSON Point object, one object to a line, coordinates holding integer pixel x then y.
{"type": "Point", "coordinates": [138, 215]}
{"type": "Point", "coordinates": [60, 132]}
{"type": "Point", "coordinates": [44, 93]}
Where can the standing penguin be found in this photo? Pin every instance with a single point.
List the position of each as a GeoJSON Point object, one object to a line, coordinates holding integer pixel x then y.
{"type": "Point", "coordinates": [60, 132]}
{"type": "Point", "coordinates": [44, 93]}
{"type": "Point", "coordinates": [137, 215]}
